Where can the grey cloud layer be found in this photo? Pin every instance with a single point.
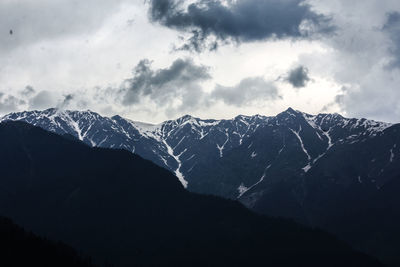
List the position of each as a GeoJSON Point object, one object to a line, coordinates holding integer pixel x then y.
{"type": "Point", "coordinates": [26, 99]}
{"type": "Point", "coordinates": [247, 91]}
{"type": "Point", "coordinates": [211, 21]}
{"type": "Point", "coordinates": [181, 81]}
{"type": "Point", "coordinates": [9, 103]}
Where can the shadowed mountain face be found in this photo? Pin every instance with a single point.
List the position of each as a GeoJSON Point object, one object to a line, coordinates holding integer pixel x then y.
{"type": "Point", "coordinates": [317, 170]}
{"type": "Point", "coordinates": [125, 210]}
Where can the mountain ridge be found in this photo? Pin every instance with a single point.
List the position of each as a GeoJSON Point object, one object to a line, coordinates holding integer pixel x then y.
{"type": "Point", "coordinates": [122, 209]}
{"type": "Point", "coordinates": [165, 151]}
{"type": "Point", "coordinates": [314, 169]}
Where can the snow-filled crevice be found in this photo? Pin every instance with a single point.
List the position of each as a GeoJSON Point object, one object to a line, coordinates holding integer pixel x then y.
{"type": "Point", "coordinates": [330, 144]}
{"type": "Point", "coordinates": [243, 189]}
{"type": "Point", "coordinates": [221, 148]}
{"type": "Point", "coordinates": [178, 172]}
{"type": "Point", "coordinates": [317, 128]}
{"type": "Point", "coordinates": [74, 125]}
{"type": "Point", "coordinates": [297, 134]}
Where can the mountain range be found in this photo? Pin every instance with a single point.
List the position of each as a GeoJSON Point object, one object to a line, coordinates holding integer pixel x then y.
{"type": "Point", "coordinates": [322, 170]}
{"type": "Point", "coordinates": [124, 210]}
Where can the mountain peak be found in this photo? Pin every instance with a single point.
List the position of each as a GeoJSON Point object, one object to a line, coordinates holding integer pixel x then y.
{"type": "Point", "coordinates": [289, 112]}
{"type": "Point", "coordinates": [185, 118]}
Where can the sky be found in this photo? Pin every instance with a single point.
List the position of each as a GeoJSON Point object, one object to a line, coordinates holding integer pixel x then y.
{"type": "Point", "coordinates": [153, 60]}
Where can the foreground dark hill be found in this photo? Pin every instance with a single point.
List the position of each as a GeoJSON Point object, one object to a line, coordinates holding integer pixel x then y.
{"type": "Point", "coordinates": [122, 209]}
{"type": "Point", "coordinates": [20, 248]}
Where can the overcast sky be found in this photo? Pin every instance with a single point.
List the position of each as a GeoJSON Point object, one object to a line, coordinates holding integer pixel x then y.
{"type": "Point", "coordinates": [152, 60]}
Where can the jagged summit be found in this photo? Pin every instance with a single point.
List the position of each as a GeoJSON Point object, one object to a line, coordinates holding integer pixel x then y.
{"type": "Point", "coordinates": [186, 117]}
{"type": "Point", "coordinates": [290, 110]}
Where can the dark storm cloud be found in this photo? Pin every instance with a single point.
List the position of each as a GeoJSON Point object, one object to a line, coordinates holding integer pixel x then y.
{"type": "Point", "coordinates": [247, 91]}
{"type": "Point", "coordinates": [179, 81]}
{"type": "Point", "coordinates": [210, 22]}
{"type": "Point", "coordinates": [298, 77]}
{"type": "Point", "coordinates": [392, 27]}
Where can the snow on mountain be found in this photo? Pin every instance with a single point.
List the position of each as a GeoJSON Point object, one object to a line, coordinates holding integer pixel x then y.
{"type": "Point", "coordinates": [322, 170]}
{"type": "Point", "coordinates": [188, 144]}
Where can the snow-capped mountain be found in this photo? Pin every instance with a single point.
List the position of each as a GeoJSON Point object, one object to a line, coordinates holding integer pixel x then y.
{"type": "Point", "coordinates": [246, 156]}
{"type": "Point", "coordinates": [322, 170]}
{"type": "Point", "coordinates": [126, 211]}
{"type": "Point", "coordinates": [177, 145]}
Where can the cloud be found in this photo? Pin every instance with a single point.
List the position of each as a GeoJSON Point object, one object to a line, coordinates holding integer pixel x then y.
{"type": "Point", "coordinates": [298, 77]}
{"type": "Point", "coordinates": [43, 100]}
{"type": "Point", "coordinates": [182, 83]}
{"type": "Point", "coordinates": [211, 22]}
{"type": "Point", "coordinates": [166, 92]}
{"type": "Point", "coordinates": [9, 103]}
{"type": "Point", "coordinates": [247, 91]}
{"type": "Point", "coordinates": [178, 82]}
{"type": "Point", "coordinates": [28, 99]}
{"type": "Point", "coordinates": [392, 28]}
{"type": "Point", "coordinates": [28, 91]}
{"type": "Point", "coordinates": [36, 21]}
{"type": "Point", "coordinates": [68, 98]}
{"type": "Point", "coordinates": [361, 57]}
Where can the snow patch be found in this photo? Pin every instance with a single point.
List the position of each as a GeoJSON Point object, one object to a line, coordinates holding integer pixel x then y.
{"type": "Point", "coordinates": [307, 168]}
{"type": "Point", "coordinates": [392, 153]}
{"type": "Point", "coordinates": [245, 189]}
{"type": "Point", "coordinates": [147, 130]}
{"type": "Point", "coordinates": [242, 189]}
{"type": "Point", "coordinates": [192, 156]}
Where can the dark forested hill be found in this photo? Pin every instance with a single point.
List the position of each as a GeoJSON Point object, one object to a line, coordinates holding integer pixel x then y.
{"type": "Point", "coordinates": [21, 248]}
{"type": "Point", "coordinates": [122, 209]}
